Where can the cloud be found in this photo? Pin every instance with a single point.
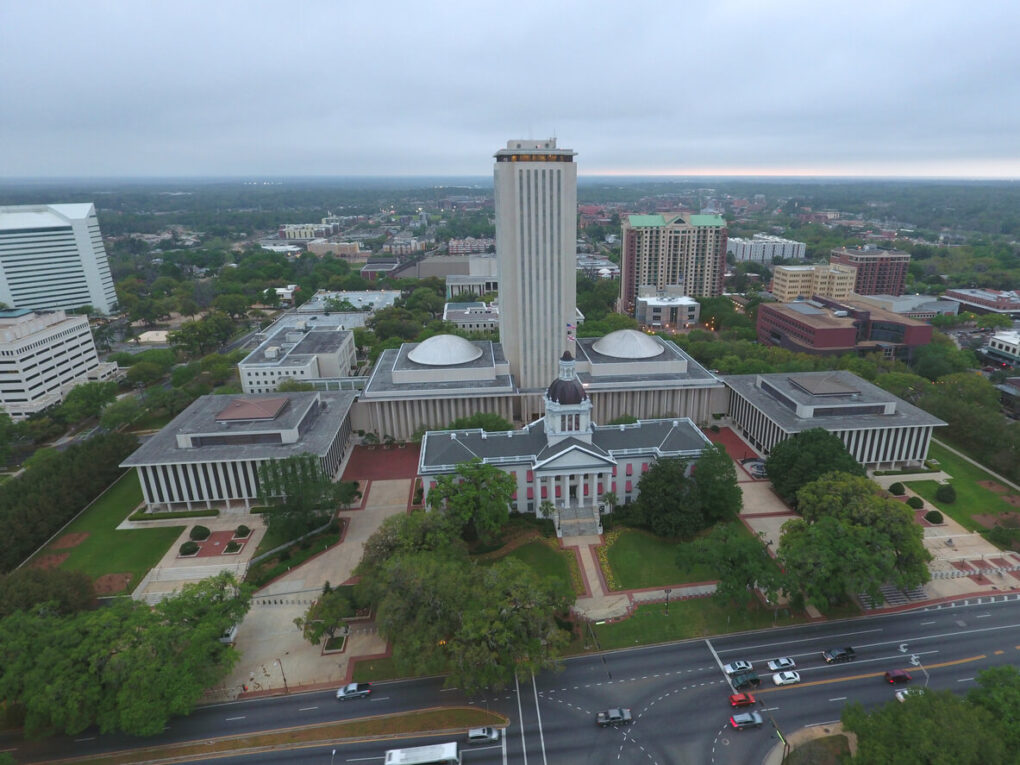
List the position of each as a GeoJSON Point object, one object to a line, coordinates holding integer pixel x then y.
{"type": "Point", "coordinates": [317, 87]}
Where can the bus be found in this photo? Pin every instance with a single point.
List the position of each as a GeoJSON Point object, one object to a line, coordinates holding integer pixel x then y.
{"type": "Point", "coordinates": [433, 754]}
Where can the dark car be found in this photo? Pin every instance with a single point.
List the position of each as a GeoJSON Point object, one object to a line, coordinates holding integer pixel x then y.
{"type": "Point", "coordinates": [745, 680]}
{"type": "Point", "coordinates": [897, 676]}
{"type": "Point", "coordinates": [837, 655]}
{"type": "Point", "coordinates": [747, 720]}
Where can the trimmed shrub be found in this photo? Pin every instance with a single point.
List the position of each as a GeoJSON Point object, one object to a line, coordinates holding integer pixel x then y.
{"type": "Point", "coordinates": [916, 502]}
{"type": "Point", "coordinates": [198, 533]}
{"type": "Point", "coordinates": [232, 547]}
{"type": "Point", "coordinates": [897, 489]}
{"type": "Point", "coordinates": [933, 516]}
{"type": "Point", "coordinates": [189, 548]}
{"type": "Point", "coordinates": [714, 428]}
{"type": "Point", "coordinates": [242, 531]}
{"type": "Point", "coordinates": [945, 493]}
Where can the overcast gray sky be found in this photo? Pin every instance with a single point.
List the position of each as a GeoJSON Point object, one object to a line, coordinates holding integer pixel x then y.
{"type": "Point", "coordinates": [307, 87]}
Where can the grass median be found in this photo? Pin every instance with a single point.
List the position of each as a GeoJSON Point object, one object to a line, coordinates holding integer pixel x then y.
{"type": "Point", "coordinates": [452, 720]}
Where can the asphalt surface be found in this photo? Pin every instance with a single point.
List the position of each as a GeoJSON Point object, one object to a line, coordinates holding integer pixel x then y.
{"type": "Point", "coordinates": [677, 692]}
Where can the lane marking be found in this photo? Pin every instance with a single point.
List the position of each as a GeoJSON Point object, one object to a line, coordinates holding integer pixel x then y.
{"type": "Point", "coordinates": [865, 676]}
{"type": "Point", "coordinates": [965, 679]}
{"type": "Point", "coordinates": [999, 653]}
{"type": "Point", "coordinates": [926, 624]}
{"type": "Point", "coordinates": [836, 638]}
{"type": "Point", "coordinates": [520, 716]}
{"type": "Point", "coordinates": [77, 740]}
{"type": "Point", "coordinates": [307, 709]}
{"type": "Point", "coordinates": [235, 718]}
{"type": "Point", "coordinates": [538, 713]}
{"type": "Point", "coordinates": [839, 698]}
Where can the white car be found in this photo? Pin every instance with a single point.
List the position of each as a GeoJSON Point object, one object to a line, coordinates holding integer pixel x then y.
{"type": "Point", "coordinates": [784, 662]}
{"type": "Point", "coordinates": [903, 695]}
{"type": "Point", "coordinates": [354, 691]}
{"type": "Point", "coordinates": [738, 667]}
{"type": "Point", "coordinates": [786, 678]}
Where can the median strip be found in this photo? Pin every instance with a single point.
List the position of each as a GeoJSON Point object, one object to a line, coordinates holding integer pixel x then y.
{"type": "Point", "coordinates": [437, 721]}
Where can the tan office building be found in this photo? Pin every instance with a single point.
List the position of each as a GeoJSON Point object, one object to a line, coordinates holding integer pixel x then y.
{"type": "Point", "coordinates": [790, 283]}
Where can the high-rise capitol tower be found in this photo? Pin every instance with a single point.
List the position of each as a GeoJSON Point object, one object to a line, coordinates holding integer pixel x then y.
{"type": "Point", "coordinates": [536, 243]}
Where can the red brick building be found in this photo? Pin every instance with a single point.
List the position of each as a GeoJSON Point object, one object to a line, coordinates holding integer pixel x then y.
{"type": "Point", "coordinates": [827, 327]}
{"type": "Point", "coordinates": [879, 272]}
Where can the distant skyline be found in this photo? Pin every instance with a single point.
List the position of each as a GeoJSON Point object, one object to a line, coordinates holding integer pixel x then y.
{"type": "Point", "coordinates": [874, 88]}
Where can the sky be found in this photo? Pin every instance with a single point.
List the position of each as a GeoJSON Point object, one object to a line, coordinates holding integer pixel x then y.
{"type": "Point", "coordinates": [252, 88]}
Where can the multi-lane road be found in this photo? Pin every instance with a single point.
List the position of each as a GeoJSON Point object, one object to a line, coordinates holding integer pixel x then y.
{"type": "Point", "coordinates": [678, 694]}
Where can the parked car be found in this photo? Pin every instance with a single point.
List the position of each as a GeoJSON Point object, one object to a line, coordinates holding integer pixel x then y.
{"type": "Point", "coordinates": [782, 663]}
{"type": "Point", "coordinates": [897, 676]}
{"type": "Point", "coordinates": [354, 691]}
{"type": "Point", "coordinates": [742, 700]}
{"type": "Point", "coordinates": [483, 735]}
{"type": "Point", "coordinates": [835, 655]}
{"type": "Point", "coordinates": [786, 678]}
{"type": "Point", "coordinates": [614, 717]}
{"type": "Point", "coordinates": [747, 720]}
{"type": "Point", "coordinates": [736, 667]}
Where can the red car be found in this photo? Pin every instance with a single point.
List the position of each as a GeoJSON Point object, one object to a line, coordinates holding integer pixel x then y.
{"type": "Point", "coordinates": [897, 676]}
{"type": "Point", "coordinates": [741, 700]}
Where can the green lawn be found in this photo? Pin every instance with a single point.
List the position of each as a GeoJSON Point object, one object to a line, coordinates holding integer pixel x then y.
{"type": "Point", "coordinates": [971, 499]}
{"type": "Point", "coordinates": [692, 618]}
{"type": "Point", "coordinates": [545, 560]}
{"type": "Point", "coordinates": [108, 551]}
{"type": "Point", "coordinates": [641, 559]}
{"type": "Point", "coordinates": [827, 750]}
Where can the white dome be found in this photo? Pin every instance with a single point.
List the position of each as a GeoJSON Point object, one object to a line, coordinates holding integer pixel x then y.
{"type": "Point", "coordinates": [628, 344]}
{"type": "Point", "coordinates": [444, 351]}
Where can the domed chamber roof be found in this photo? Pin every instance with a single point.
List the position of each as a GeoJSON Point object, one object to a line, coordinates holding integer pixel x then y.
{"type": "Point", "coordinates": [444, 351]}
{"type": "Point", "coordinates": [566, 391]}
{"type": "Point", "coordinates": [628, 344]}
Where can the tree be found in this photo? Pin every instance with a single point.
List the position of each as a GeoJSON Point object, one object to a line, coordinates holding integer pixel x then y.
{"type": "Point", "coordinates": [804, 457]}
{"type": "Point", "coordinates": [668, 501]}
{"type": "Point", "coordinates": [998, 693]}
{"type": "Point", "coordinates": [435, 533]}
{"type": "Point", "coordinates": [235, 306]}
{"type": "Point", "coordinates": [66, 592]}
{"type": "Point", "coordinates": [740, 561]}
{"type": "Point", "coordinates": [144, 373]}
{"type": "Point", "coordinates": [7, 435]}
{"type": "Point", "coordinates": [856, 504]}
{"type": "Point", "coordinates": [302, 495]}
{"type": "Point", "coordinates": [326, 615]}
{"type": "Point", "coordinates": [87, 400]}
{"type": "Point", "coordinates": [121, 412]}
{"type": "Point", "coordinates": [487, 421]}
{"type": "Point", "coordinates": [715, 481]}
{"type": "Point", "coordinates": [294, 385]}
{"type": "Point", "coordinates": [477, 496]}
{"type": "Point", "coordinates": [994, 321]}
{"type": "Point", "coordinates": [932, 727]}
{"type": "Point", "coordinates": [127, 667]}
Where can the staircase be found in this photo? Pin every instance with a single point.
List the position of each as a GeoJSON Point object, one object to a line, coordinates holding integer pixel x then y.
{"type": "Point", "coordinates": [578, 521]}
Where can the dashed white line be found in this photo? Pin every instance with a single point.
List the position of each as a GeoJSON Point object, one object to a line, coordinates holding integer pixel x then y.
{"type": "Point", "coordinates": [235, 718]}
{"type": "Point", "coordinates": [965, 679]}
{"type": "Point", "coordinates": [839, 698]}
{"type": "Point", "coordinates": [307, 709]}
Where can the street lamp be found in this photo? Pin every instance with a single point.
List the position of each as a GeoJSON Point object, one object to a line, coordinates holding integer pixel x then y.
{"type": "Point", "coordinates": [667, 601]}
{"type": "Point", "coordinates": [284, 674]}
{"type": "Point", "coordinates": [331, 757]}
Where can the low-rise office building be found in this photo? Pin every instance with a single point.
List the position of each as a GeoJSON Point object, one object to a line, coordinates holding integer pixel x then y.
{"type": "Point", "coordinates": [43, 355]}
{"type": "Point", "coordinates": [209, 455]}
{"type": "Point", "coordinates": [920, 307]}
{"type": "Point", "coordinates": [666, 309]}
{"type": "Point", "coordinates": [473, 317]}
{"type": "Point", "coordinates": [301, 347]}
{"type": "Point", "coordinates": [880, 430]}
{"type": "Point", "coordinates": [987, 300]}
{"type": "Point", "coordinates": [790, 283]}
{"type": "Point", "coordinates": [1004, 347]}
{"type": "Point", "coordinates": [764, 248]}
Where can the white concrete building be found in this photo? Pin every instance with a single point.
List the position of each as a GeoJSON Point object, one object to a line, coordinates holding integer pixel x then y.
{"type": "Point", "coordinates": [668, 308]}
{"type": "Point", "coordinates": [473, 317]}
{"type": "Point", "coordinates": [43, 356]}
{"type": "Point", "coordinates": [210, 453]}
{"type": "Point", "coordinates": [764, 248]}
{"type": "Point", "coordinates": [52, 256]}
{"type": "Point", "coordinates": [1004, 346]}
{"type": "Point", "coordinates": [303, 347]}
{"type": "Point", "coordinates": [536, 230]}
{"type": "Point", "coordinates": [880, 430]}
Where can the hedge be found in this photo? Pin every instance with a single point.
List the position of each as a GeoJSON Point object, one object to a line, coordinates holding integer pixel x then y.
{"type": "Point", "coordinates": [933, 516]}
{"type": "Point", "coordinates": [897, 489]}
{"type": "Point", "coordinates": [945, 493]}
{"type": "Point", "coordinates": [189, 548]}
{"type": "Point", "coordinates": [199, 533]}
{"type": "Point", "coordinates": [916, 502]}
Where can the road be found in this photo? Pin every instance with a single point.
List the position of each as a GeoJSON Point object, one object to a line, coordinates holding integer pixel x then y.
{"type": "Point", "coordinates": [678, 694]}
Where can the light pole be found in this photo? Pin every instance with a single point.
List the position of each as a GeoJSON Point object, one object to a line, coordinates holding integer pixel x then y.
{"type": "Point", "coordinates": [331, 757]}
{"type": "Point", "coordinates": [667, 601]}
{"type": "Point", "coordinates": [284, 674]}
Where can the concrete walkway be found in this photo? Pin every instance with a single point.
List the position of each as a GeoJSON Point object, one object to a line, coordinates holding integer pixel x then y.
{"type": "Point", "coordinates": [275, 658]}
